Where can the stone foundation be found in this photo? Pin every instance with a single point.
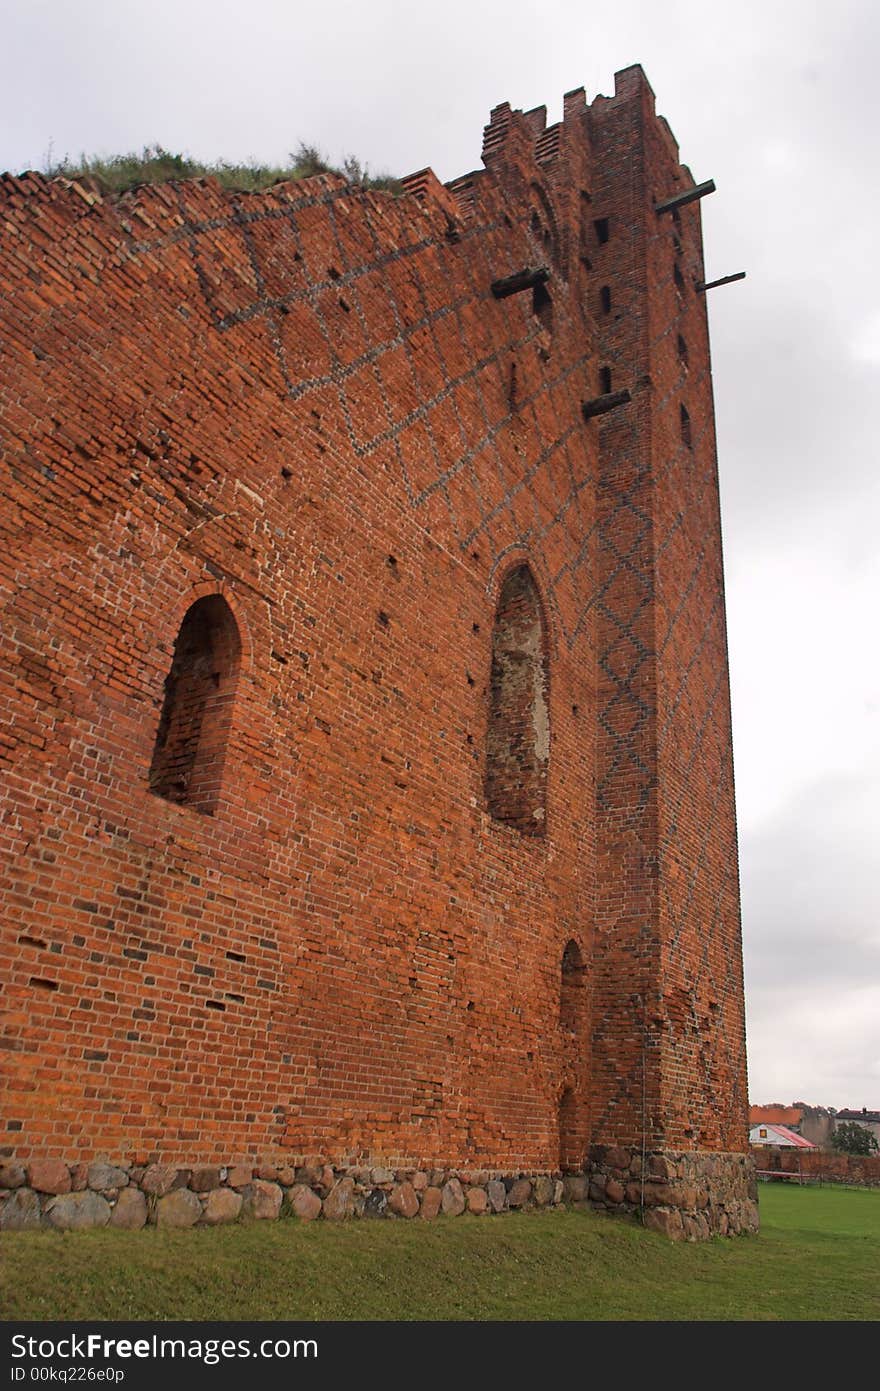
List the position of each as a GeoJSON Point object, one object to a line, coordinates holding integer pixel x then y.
{"type": "Point", "coordinates": [684, 1194]}
{"type": "Point", "coordinates": [690, 1196]}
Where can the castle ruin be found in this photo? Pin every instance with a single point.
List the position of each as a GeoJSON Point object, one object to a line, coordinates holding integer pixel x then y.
{"type": "Point", "coordinates": [367, 805]}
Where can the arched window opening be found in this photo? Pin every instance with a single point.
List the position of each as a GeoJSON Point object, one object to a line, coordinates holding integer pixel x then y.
{"type": "Point", "coordinates": [518, 739]}
{"type": "Point", "coordinates": [685, 422]}
{"type": "Point", "coordinates": [190, 749]}
{"type": "Point", "coordinates": [572, 990]}
{"type": "Point", "coordinates": [572, 1146]}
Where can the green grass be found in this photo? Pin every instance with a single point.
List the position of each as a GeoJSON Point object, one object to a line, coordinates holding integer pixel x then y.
{"type": "Point", "coordinates": [818, 1257]}
{"type": "Point", "coordinates": [113, 174]}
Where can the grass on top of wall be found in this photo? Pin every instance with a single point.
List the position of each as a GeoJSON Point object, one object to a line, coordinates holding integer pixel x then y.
{"type": "Point", "coordinates": [817, 1257]}
{"type": "Point", "coordinates": [111, 174]}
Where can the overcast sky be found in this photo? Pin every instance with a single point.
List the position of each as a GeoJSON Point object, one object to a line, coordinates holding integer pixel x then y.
{"type": "Point", "coordinates": [779, 102]}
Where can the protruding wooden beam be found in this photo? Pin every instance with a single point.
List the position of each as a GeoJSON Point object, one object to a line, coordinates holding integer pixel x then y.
{"type": "Point", "coordinates": [600, 404]}
{"type": "Point", "coordinates": [521, 280]}
{"type": "Point", "coordinates": [725, 280]}
{"type": "Point", "coordinates": [690, 195]}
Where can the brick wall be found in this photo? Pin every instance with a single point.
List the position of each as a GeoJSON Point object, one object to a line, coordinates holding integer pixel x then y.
{"type": "Point", "coordinates": [818, 1163]}
{"type": "Point", "coordinates": [306, 546]}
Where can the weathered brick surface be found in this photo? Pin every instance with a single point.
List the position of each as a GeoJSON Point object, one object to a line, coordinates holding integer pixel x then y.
{"type": "Point", "coordinates": [256, 908]}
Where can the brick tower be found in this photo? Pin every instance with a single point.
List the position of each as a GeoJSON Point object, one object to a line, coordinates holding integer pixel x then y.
{"type": "Point", "coordinates": [368, 802]}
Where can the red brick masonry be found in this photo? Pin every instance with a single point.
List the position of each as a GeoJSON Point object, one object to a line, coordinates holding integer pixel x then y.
{"type": "Point", "coordinates": [367, 788]}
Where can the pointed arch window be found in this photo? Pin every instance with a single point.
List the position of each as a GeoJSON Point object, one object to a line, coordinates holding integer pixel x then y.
{"type": "Point", "coordinates": [190, 748]}
{"type": "Point", "coordinates": [518, 740]}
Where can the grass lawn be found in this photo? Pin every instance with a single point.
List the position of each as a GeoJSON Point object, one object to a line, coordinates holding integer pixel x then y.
{"type": "Point", "coordinates": [818, 1257]}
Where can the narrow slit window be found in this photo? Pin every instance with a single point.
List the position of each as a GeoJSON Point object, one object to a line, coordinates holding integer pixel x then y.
{"type": "Point", "coordinates": [682, 351]}
{"type": "Point", "coordinates": [542, 307]}
{"type": "Point", "coordinates": [685, 422]}
{"type": "Point", "coordinates": [190, 747]}
{"type": "Point", "coordinates": [605, 380]}
{"type": "Point", "coordinates": [602, 229]}
{"type": "Point", "coordinates": [518, 737]}
{"type": "Point", "coordinates": [571, 990]}
{"type": "Point", "coordinates": [572, 1141]}
{"type": "Point", "coordinates": [605, 299]}
{"type": "Point", "coordinates": [679, 278]}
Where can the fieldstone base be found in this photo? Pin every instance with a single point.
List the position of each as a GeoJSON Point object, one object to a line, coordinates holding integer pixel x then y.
{"type": "Point", "coordinates": [685, 1195]}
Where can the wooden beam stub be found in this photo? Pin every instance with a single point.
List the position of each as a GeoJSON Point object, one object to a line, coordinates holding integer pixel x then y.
{"type": "Point", "coordinates": [690, 195]}
{"type": "Point", "coordinates": [521, 280]}
{"type": "Point", "coordinates": [725, 280]}
{"type": "Point", "coordinates": [600, 404]}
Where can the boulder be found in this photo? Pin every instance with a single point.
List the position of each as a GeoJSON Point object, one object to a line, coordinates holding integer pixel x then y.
{"type": "Point", "coordinates": [403, 1200]}
{"type": "Point", "coordinates": [20, 1211]}
{"type": "Point", "coordinates": [221, 1205]}
{"type": "Point", "coordinates": [180, 1208]}
{"type": "Point", "coordinates": [666, 1220]}
{"type": "Point", "coordinates": [204, 1180]}
{"type": "Point", "coordinates": [617, 1158]}
{"type": "Point", "coordinates": [12, 1176]}
{"type": "Point", "coordinates": [339, 1202]}
{"type": "Point", "coordinates": [159, 1179]}
{"type": "Point", "coordinates": [543, 1191]}
{"type": "Point", "coordinates": [477, 1201]}
{"type": "Point", "coordinates": [496, 1194]}
{"type": "Point", "coordinates": [129, 1210]}
{"type": "Point", "coordinates": [304, 1203]}
{"type": "Point", "coordinates": [73, 1212]}
{"type": "Point", "coordinates": [49, 1176]}
{"type": "Point", "coordinates": [452, 1199]}
{"type": "Point", "coordinates": [106, 1176]}
{"type": "Point", "coordinates": [375, 1203]}
{"type": "Point", "coordinates": [520, 1193]}
{"type": "Point", "coordinates": [262, 1200]}
{"type": "Point", "coordinates": [574, 1188]}
{"type": "Point", "coordinates": [430, 1204]}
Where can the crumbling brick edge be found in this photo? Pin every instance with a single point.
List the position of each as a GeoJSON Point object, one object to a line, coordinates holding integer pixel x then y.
{"type": "Point", "coordinates": [685, 1196]}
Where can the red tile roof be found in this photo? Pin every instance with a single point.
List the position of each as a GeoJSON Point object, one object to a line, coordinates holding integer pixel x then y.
{"type": "Point", "coordinates": [775, 1115]}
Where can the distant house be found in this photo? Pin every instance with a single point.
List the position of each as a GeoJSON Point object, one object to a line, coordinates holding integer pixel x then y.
{"type": "Point", "coordinates": [778, 1135]}
{"type": "Point", "coordinates": [869, 1119]}
{"type": "Point", "coordinates": [814, 1123]}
